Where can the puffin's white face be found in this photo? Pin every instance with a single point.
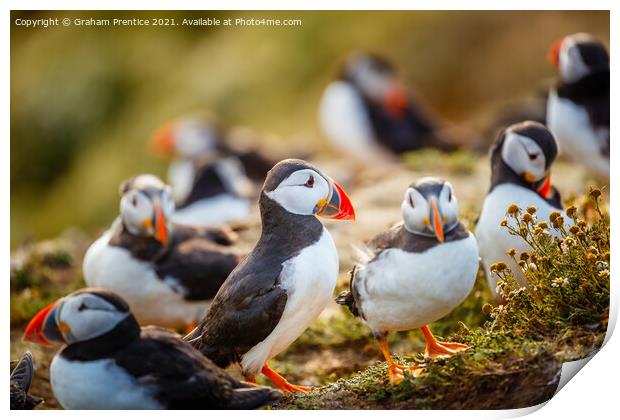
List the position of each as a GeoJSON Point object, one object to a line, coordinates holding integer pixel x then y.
{"type": "Point", "coordinates": [146, 211]}
{"type": "Point", "coordinates": [193, 138]}
{"type": "Point", "coordinates": [375, 84]}
{"type": "Point", "coordinates": [300, 192]}
{"type": "Point", "coordinates": [232, 174]}
{"type": "Point", "coordinates": [85, 316]}
{"type": "Point", "coordinates": [570, 63]}
{"type": "Point", "coordinates": [430, 215]}
{"type": "Point", "coordinates": [75, 318]}
{"type": "Point", "coordinates": [524, 156]}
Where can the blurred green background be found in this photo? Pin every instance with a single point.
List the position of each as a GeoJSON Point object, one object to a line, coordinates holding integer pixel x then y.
{"type": "Point", "coordinates": [85, 100]}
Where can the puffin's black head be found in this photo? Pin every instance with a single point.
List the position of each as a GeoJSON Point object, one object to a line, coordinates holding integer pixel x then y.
{"type": "Point", "coordinates": [430, 208]}
{"type": "Point", "coordinates": [80, 316]}
{"type": "Point", "coordinates": [146, 206]}
{"type": "Point", "coordinates": [524, 153]}
{"type": "Point", "coordinates": [301, 188]}
{"type": "Point", "coordinates": [188, 137]}
{"type": "Point", "coordinates": [579, 55]}
{"type": "Point", "coordinates": [376, 79]}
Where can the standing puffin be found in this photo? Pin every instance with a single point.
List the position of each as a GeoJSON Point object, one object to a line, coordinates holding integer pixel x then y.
{"type": "Point", "coordinates": [110, 363]}
{"type": "Point", "coordinates": [521, 162]}
{"type": "Point", "coordinates": [367, 112]}
{"type": "Point", "coordinates": [416, 272]}
{"type": "Point", "coordinates": [578, 106]}
{"type": "Point", "coordinates": [21, 379]}
{"type": "Point", "coordinates": [167, 272]}
{"type": "Point", "coordinates": [285, 282]}
{"type": "Point", "coordinates": [211, 181]}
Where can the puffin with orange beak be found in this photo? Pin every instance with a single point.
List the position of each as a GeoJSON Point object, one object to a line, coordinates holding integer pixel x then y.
{"type": "Point", "coordinates": [521, 160]}
{"type": "Point", "coordinates": [214, 174]}
{"type": "Point", "coordinates": [167, 272]}
{"type": "Point", "coordinates": [416, 272]}
{"type": "Point", "coordinates": [367, 112]}
{"type": "Point", "coordinates": [109, 363]}
{"type": "Point", "coordinates": [578, 112]}
{"type": "Point", "coordinates": [285, 282]}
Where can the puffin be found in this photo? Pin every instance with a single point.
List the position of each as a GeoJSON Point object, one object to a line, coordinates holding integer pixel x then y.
{"type": "Point", "coordinates": [109, 362]}
{"type": "Point", "coordinates": [212, 181]}
{"type": "Point", "coordinates": [367, 112]}
{"type": "Point", "coordinates": [416, 272]}
{"type": "Point", "coordinates": [578, 104]}
{"type": "Point", "coordinates": [285, 282]}
{"type": "Point", "coordinates": [521, 160]}
{"type": "Point", "coordinates": [21, 379]}
{"type": "Point", "coordinates": [167, 272]}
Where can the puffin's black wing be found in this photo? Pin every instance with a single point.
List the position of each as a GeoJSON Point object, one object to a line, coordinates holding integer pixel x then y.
{"type": "Point", "coordinates": [246, 309]}
{"type": "Point", "coordinates": [197, 267]}
{"type": "Point", "coordinates": [185, 379]}
{"type": "Point", "coordinates": [21, 379]}
{"type": "Point", "coordinates": [386, 239]}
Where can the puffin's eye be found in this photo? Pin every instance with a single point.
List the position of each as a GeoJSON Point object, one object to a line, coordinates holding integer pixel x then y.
{"type": "Point", "coordinates": [411, 201]}
{"type": "Point", "coordinates": [450, 196]}
{"type": "Point", "coordinates": [310, 182]}
{"type": "Point", "coordinates": [82, 307]}
{"type": "Point", "coordinates": [134, 201]}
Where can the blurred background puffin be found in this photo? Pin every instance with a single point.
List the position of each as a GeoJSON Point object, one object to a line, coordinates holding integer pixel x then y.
{"type": "Point", "coordinates": [416, 272]}
{"type": "Point", "coordinates": [521, 160]}
{"type": "Point", "coordinates": [285, 282]}
{"type": "Point", "coordinates": [578, 105]}
{"type": "Point", "coordinates": [109, 362]}
{"type": "Point", "coordinates": [212, 181]}
{"type": "Point", "coordinates": [368, 113]}
{"type": "Point", "coordinates": [167, 272]}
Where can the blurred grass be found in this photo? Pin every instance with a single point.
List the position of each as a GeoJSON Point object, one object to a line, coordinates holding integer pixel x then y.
{"type": "Point", "coordinates": [85, 100]}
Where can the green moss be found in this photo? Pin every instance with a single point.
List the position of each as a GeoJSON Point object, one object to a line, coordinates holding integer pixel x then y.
{"type": "Point", "coordinates": [40, 274]}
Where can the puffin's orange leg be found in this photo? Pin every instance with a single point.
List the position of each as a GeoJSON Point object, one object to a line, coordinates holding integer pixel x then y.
{"type": "Point", "coordinates": [435, 348]}
{"type": "Point", "coordinates": [281, 383]}
{"type": "Point", "coordinates": [395, 370]}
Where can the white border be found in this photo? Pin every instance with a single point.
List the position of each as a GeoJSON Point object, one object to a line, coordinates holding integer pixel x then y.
{"type": "Point", "coordinates": [594, 392]}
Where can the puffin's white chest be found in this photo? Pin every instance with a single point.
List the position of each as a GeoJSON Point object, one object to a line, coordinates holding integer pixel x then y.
{"type": "Point", "coordinates": [152, 300]}
{"type": "Point", "coordinates": [309, 280]}
{"type": "Point", "coordinates": [570, 124]}
{"type": "Point", "coordinates": [401, 290]}
{"type": "Point", "coordinates": [98, 385]}
{"type": "Point", "coordinates": [494, 240]}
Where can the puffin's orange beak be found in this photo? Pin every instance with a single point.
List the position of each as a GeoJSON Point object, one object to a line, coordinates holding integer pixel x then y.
{"type": "Point", "coordinates": [162, 142]}
{"type": "Point", "coordinates": [161, 230]}
{"type": "Point", "coordinates": [395, 100]}
{"type": "Point", "coordinates": [338, 206]}
{"type": "Point", "coordinates": [554, 53]}
{"type": "Point", "coordinates": [437, 224]}
{"type": "Point", "coordinates": [545, 187]}
{"type": "Point", "coordinates": [34, 330]}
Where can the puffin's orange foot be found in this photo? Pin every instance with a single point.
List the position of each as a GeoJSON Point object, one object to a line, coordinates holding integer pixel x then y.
{"type": "Point", "coordinates": [281, 383]}
{"type": "Point", "coordinates": [397, 372]}
{"type": "Point", "coordinates": [443, 349]}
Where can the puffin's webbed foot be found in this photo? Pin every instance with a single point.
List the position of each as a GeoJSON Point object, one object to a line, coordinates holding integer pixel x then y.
{"type": "Point", "coordinates": [281, 383]}
{"type": "Point", "coordinates": [436, 348]}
